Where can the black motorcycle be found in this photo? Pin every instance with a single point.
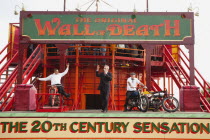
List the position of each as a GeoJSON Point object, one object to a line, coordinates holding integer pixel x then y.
{"type": "Point", "coordinates": [139, 101]}
{"type": "Point", "coordinates": [162, 99]}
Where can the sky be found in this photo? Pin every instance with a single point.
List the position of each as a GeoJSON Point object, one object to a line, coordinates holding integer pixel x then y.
{"type": "Point", "coordinates": [202, 22]}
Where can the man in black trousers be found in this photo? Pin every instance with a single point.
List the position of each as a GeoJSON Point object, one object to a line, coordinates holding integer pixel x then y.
{"type": "Point", "coordinates": [104, 86]}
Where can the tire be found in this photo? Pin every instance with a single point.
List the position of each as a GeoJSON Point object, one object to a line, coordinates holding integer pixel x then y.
{"type": "Point", "coordinates": [56, 100]}
{"type": "Point", "coordinates": [170, 104]}
{"type": "Point", "coordinates": [144, 104]}
{"type": "Point", "coordinates": [129, 107]}
{"type": "Point", "coordinates": [50, 100]}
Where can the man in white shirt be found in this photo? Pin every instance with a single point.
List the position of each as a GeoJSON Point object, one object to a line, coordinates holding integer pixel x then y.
{"type": "Point", "coordinates": [55, 79]}
{"type": "Point", "coordinates": [132, 84]}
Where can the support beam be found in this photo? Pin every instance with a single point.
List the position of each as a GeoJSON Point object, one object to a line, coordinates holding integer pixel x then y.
{"type": "Point", "coordinates": [192, 66]}
{"type": "Point", "coordinates": [76, 78]}
{"type": "Point", "coordinates": [44, 72]}
{"type": "Point", "coordinates": [148, 48]}
{"type": "Point", "coordinates": [169, 84]}
{"type": "Point", "coordinates": [44, 69]}
{"type": "Point", "coordinates": [172, 87]}
{"type": "Point", "coordinates": [64, 6]}
{"type": "Point", "coordinates": [164, 80]}
{"type": "Point", "coordinates": [147, 6]}
{"type": "Point", "coordinates": [62, 52]}
{"type": "Point", "coordinates": [113, 77]}
{"type": "Point", "coordinates": [144, 70]}
{"type": "Point", "coordinates": [22, 48]}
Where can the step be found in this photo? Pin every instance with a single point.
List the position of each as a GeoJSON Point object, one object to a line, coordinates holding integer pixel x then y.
{"type": "Point", "coordinates": [203, 108]}
{"type": "Point", "coordinates": [3, 81]}
{"type": "Point", "coordinates": [13, 65]}
{"type": "Point", "coordinates": [177, 72]}
{"type": "Point", "coordinates": [4, 74]}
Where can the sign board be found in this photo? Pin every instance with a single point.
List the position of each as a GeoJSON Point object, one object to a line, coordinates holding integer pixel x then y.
{"type": "Point", "coordinates": [100, 126]}
{"type": "Point", "coordinates": [108, 27]}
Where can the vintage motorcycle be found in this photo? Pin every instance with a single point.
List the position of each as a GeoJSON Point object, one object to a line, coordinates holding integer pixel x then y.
{"type": "Point", "coordinates": [139, 101]}
{"type": "Point", "coordinates": [162, 99]}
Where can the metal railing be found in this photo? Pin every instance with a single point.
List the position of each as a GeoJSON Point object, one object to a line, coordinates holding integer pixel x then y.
{"type": "Point", "coordinates": [198, 76]}
{"type": "Point", "coordinates": [98, 51]}
{"type": "Point", "coordinates": [173, 66]}
{"type": "Point", "coordinates": [7, 90]}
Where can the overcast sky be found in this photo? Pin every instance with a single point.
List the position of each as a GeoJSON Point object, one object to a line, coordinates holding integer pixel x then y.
{"type": "Point", "coordinates": [202, 23]}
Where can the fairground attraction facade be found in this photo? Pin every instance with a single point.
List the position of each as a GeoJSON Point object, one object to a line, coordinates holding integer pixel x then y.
{"type": "Point", "coordinates": [147, 43]}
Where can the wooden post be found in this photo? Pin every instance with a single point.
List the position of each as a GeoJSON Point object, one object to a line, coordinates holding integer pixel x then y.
{"type": "Point", "coordinates": [172, 87]}
{"type": "Point", "coordinates": [164, 80]}
{"type": "Point", "coordinates": [192, 67]}
{"type": "Point", "coordinates": [144, 70]}
{"type": "Point", "coordinates": [22, 48]}
{"type": "Point", "coordinates": [45, 67]}
{"type": "Point", "coordinates": [118, 88]}
{"type": "Point", "coordinates": [11, 46]}
{"type": "Point", "coordinates": [44, 74]}
{"type": "Point", "coordinates": [62, 51]}
{"type": "Point", "coordinates": [76, 78]}
{"type": "Point", "coordinates": [113, 76]}
{"type": "Point", "coordinates": [64, 6]}
{"type": "Point", "coordinates": [149, 49]}
{"type": "Point", "coordinates": [169, 84]}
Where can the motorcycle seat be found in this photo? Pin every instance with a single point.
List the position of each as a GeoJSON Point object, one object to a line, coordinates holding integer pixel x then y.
{"type": "Point", "coordinates": [154, 92]}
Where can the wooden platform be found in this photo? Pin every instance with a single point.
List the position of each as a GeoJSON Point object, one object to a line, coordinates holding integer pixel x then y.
{"type": "Point", "coordinates": [98, 113]}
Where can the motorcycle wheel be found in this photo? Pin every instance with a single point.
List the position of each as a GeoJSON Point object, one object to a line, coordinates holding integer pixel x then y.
{"type": "Point", "coordinates": [144, 104]}
{"type": "Point", "coordinates": [51, 98]}
{"type": "Point", "coordinates": [170, 104]}
{"type": "Point", "coordinates": [56, 100]}
{"type": "Point", "coordinates": [129, 107]}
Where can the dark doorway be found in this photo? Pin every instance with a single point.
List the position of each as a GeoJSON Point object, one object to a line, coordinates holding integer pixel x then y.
{"type": "Point", "coordinates": [93, 101]}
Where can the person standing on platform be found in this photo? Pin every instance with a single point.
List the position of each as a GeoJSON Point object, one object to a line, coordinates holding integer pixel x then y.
{"type": "Point", "coordinates": [132, 84]}
{"type": "Point", "coordinates": [55, 79]}
{"type": "Point", "coordinates": [104, 86]}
